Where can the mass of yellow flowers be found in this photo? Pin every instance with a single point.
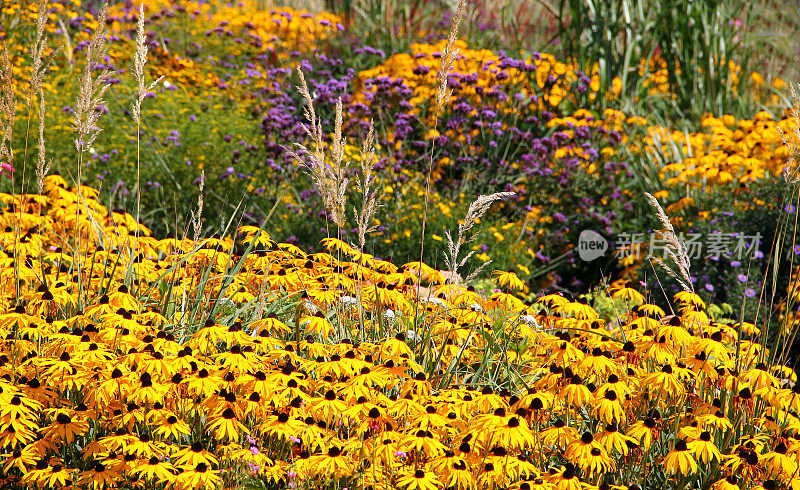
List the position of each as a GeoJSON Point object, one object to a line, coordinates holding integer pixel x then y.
{"type": "Point", "coordinates": [132, 361]}
{"type": "Point", "coordinates": [237, 361]}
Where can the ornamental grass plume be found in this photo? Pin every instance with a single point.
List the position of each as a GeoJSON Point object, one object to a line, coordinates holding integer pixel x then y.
{"type": "Point", "coordinates": [476, 210]}
{"type": "Point", "coordinates": [791, 172]}
{"type": "Point", "coordinates": [443, 94]}
{"type": "Point", "coordinates": [197, 215]}
{"type": "Point", "coordinates": [365, 183]}
{"type": "Point", "coordinates": [328, 175]}
{"type": "Point", "coordinates": [92, 89]}
{"type": "Point", "coordinates": [91, 92]}
{"type": "Point", "coordinates": [8, 111]}
{"type": "Point", "coordinates": [139, 62]}
{"type": "Point", "coordinates": [42, 165]}
{"type": "Point", "coordinates": [40, 64]}
{"type": "Point", "coordinates": [675, 248]}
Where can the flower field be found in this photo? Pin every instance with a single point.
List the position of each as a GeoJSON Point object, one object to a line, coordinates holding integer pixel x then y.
{"type": "Point", "coordinates": [244, 245]}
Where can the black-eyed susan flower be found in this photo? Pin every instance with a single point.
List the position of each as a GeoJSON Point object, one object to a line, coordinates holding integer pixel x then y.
{"type": "Point", "coordinates": [59, 476]}
{"type": "Point", "coordinates": [596, 462]}
{"type": "Point", "coordinates": [628, 292]}
{"type": "Point", "coordinates": [778, 464]}
{"type": "Point", "coordinates": [226, 426]}
{"type": "Point", "coordinates": [612, 439]}
{"type": "Point", "coordinates": [282, 425]}
{"type": "Point", "coordinates": [564, 478]}
{"type": "Point", "coordinates": [609, 409]}
{"type": "Point", "coordinates": [744, 463]}
{"type": "Point", "coordinates": [644, 432]}
{"type": "Point", "coordinates": [39, 474]}
{"type": "Point", "coordinates": [703, 448]}
{"type": "Point", "coordinates": [191, 456]}
{"type": "Point", "coordinates": [515, 434]}
{"type": "Point", "coordinates": [171, 425]}
{"type": "Point", "coordinates": [155, 469]}
{"type": "Point", "coordinates": [334, 462]}
{"type": "Point", "coordinates": [21, 459]}
{"type": "Point", "coordinates": [729, 483]}
{"type": "Point", "coordinates": [65, 427]}
{"type": "Point", "coordinates": [716, 420]}
{"type": "Point", "coordinates": [579, 309]}
{"type": "Point", "coordinates": [664, 383]}
{"type": "Point", "coordinates": [203, 383]}
{"type": "Point", "coordinates": [680, 460]}
{"type": "Point", "coordinates": [199, 476]}
{"type": "Point", "coordinates": [576, 394]}
{"type": "Point", "coordinates": [424, 442]}
{"type": "Point", "coordinates": [491, 475]}
{"type": "Point", "coordinates": [99, 476]}
{"type": "Point", "coordinates": [17, 432]}
{"type": "Point", "coordinates": [559, 434]}
{"type": "Point", "coordinates": [509, 279]}
{"type": "Point", "coordinates": [419, 480]}
{"type": "Point", "coordinates": [459, 475]}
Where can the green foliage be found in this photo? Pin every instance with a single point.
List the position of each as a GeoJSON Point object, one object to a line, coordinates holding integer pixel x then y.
{"type": "Point", "coordinates": [701, 45]}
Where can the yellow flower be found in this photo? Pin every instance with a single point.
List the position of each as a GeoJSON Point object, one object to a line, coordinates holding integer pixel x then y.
{"type": "Point", "coordinates": [225, 426]}
{"type": "Point", "coordinates": [200, 476]}
{"type": "Point", "coordinates": [680, 460]}
{"type": "Point", "coordinates": [419, 480]}
{"type": "Point", "coordinates": [509, 279]}
{"type": "Point", "coordinates": [704, 448]}
{"type": "Point", "coordinates": [333, 462]}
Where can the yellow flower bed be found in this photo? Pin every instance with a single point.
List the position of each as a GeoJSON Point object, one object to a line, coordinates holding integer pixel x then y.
{"type": "Point", "coordinates": [728, 151]}
{"type": "Point", "coordinates": [470, 61]}
{"type": "Point", "coordinates": [307, 368]}
{"type": "Point", "coordinates": [280, 30]}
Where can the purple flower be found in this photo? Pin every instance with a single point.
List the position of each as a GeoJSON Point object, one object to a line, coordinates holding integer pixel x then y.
{"type": "Point", "coordinates": [709, 287]}
{"type": "Point", "coordinates": [741, 278]}
{"type": "Point", "coordinates": [749, 292]}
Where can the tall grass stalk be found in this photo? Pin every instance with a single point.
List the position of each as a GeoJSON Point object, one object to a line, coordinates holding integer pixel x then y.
{"type": "Point", "coordinates": [139, 62]}
{"type": "Point", "coordinates": [443, 94]}
{"type": "Point", "coordinates": [92, 89]}
{"type": "Point", "coordinates": [675, 249]}
{"type": "Point", "coordinates": [8, 112]}
{"type": "Point", "coordinates": [39, 67]}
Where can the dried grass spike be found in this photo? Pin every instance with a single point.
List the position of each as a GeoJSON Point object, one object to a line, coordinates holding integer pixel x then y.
{"type": "Point", "coordinates": [676, 249]}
